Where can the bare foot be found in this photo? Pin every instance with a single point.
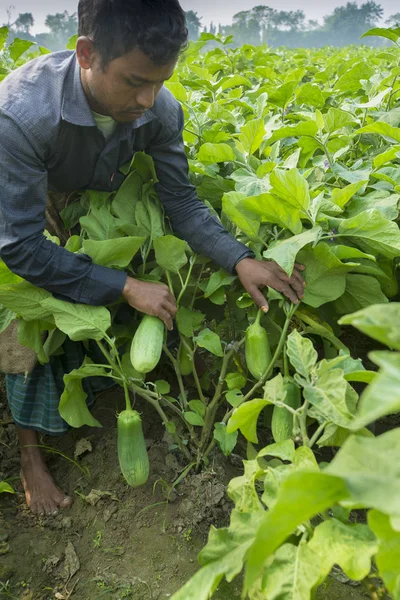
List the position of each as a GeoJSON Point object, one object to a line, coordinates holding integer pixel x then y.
{"type": "Point", "coordinates": [43, 497]}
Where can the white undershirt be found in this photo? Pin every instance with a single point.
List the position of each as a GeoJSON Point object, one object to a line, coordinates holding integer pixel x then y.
{"type": "Point", "coordinates": [107, 125]}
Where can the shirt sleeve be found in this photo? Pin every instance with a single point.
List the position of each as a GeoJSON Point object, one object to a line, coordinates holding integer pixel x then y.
{"type": "Point", "coordinates": [23, 246]}
{"type": "Point", "coordinates": [190, 218]}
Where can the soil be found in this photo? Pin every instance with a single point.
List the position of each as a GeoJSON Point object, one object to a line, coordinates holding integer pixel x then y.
{"type": "Point", "coordinates": [115, 542]}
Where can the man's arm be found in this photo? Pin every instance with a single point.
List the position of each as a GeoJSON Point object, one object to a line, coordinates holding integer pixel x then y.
{"type": "Point", "coordinates": [23, 247]}
{"type": "Point", "coordinates": [190, 218]}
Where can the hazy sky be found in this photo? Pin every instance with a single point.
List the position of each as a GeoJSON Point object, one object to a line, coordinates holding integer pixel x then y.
{"type": "Point", "coordinates": [219, 11]}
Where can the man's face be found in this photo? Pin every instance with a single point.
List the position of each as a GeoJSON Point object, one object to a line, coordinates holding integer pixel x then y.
{"type": "Point", "coordinates": [126, 87]}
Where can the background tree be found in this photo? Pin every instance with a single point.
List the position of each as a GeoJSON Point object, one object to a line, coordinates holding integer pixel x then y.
{"type": "Point", "coordinates": [349, 22]}
{"type": "Point", "coordinates": [193, 23]}
{"type": "Point", "coordinates": [24, 22]}
{"type": "Point", "coordinates": [394, 20]}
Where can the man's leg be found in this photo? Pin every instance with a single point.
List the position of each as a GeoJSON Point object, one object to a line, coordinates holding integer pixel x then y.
{"type": "Point", "coordinates": [42, 495]}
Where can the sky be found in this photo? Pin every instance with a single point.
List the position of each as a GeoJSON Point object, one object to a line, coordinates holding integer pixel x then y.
{"type": "Point", "coordinates": [218, 11]}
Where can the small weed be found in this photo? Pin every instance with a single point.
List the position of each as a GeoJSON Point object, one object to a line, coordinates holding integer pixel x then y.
{"type": "Point", "coordinates": [188, 535]}
{"type": "Point", "coordinates": [97, 540]}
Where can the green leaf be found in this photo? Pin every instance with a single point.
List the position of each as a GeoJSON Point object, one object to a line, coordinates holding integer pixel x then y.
{"type": "Point", "coordinates": [198, 407]}
{"type": "Point", "coordinates": [170, 252]}
{"type": "Point", "coordinates": [270, 209]}
{"type": "Point", "coordinates": [189, 321]}
{"type": "Point", "coordinates": [301, 353]}
{"type": "Point", "coordinates": [73, 408]}
{"type": "Point", "coordinates": [234, 397]}
{"type": "Point", "coordinates": [116, 253]}
{"type": "Point", "coordinates": [30, 335]}
{"type": "Point", "coordinates": [7, 276]}
{"type": "Point", "coordinates": [79, 321]}
{"type": "Point", "coordinates": [231, 207]}
{"type": "Point", "coordinates": [309, 93]}
{"type": "Point", "coordinates": [252, 135]}
{"type": "Point", "coordinates": [3, 36]}
{"type": "Point", "coordinates": [361, 291]}
{"type": "Point", "coordinates": [25, 300]}
{"type": "Point", "coordinates": [373, 233]}
{"type": "Point", "coordinates": [227, 441]}
{"type": "Point", "coordinates": [217, 280]}
{"type": "Point", "coordinates": [327, 394]}
{"type": "Point", "coordinates": [18, 47]}
{"type": "Point", "coordinates": [349, 545]}
{"type": "Point", "coordinates": [325, 275]}
{"type": "Point", "coordinates": [210, 341]}
{"type": "Point", "coordinates": [126, 199]}
{"type": "Point", "coordinates": [215, 153]}
{"type": "Point", "coordinates": [245, 418]}
{"type": "Point", "coordinates": [4, 486]}
{"type": "Point", "coordinates": [235, 381]}
{"type": "Point", "coordinates": [291, 187]}
{"type": "Point", "coordinates": [340, 197]}
{"type": "Point", "coordinates": [284, 252]}
{"type": "Point", "coordinates": [378, 322]}
{"type": "Point", "coordinates": [381, 128]}
{"type": "Point", "coordinates": [390, 34]}
{"type": "Point", "coordinates": [100, 224]}
{"type": "Point", "coordinates": [382, 396]}
{"type": "Point", "coordinates": [371, 471]}
{"type": "Point", "coordinates": [284, 450]}
{"type": "Point", "coordinates": [71, 45]}
{"type": "Point", "coordinates": [302, 495]}
{"type": "Point", "coordinates": [163, 387]}
{"type": "Point", "coordinates": [6, 317]}
{"type": "Point", "coordinates": [292, 574]}
{"type": "Point", "coordinates": [388, 555]}
{"type": "Point", "coordinates": [194, 419]}
{"type": "Point", "coordinates": [336, 119]}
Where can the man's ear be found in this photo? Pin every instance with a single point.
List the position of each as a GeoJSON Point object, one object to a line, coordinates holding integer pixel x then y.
{"type": "Point", "coordinates": [84, 52]}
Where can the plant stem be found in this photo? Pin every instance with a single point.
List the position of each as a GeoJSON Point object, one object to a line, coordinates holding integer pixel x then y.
{"type": "Point", "coordinates": [184, 286]}
{"type": "Point", "coordinates": [178, 375]}
{"type": "Point", "coordinates": [317, 435]}
{"type": "Point", "coordinates": [302, 415]}
{"type": "Point", "coordinates": [195, 374]}
{"type": "Point", "coordinates": [263, 378]}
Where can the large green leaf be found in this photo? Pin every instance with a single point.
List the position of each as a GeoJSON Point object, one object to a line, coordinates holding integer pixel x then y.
{"type": "Point", "coordinates": [379, 322]}
{"type": "Point", "coordinates": [384, 129]}
{"type": "Point", "coordinates": [361, 291]}
{"type": "Point", "coordinates": [291, 187]}
{"type": "Point", "coordinates": [100, 224]}
{"type": "Point", "coordinates": [73, 408]}
{"type": "Point", "coordinates": [370, 468]}
{"type": "Point", "coordinates": [18, 47]}
{"type": "Point", "coordinates": [307, 128]}
{"type": "Point", "coordinates": [382, 396]}
{"type": "Point", "coordinates": [325, 275]}
{"type": "Point", "coordinates": [4, 486]}
{"type": "Point", "coordinates": [351, 546]}
{"type": "Point", "coordinates": [25, 300]}
{"type": "Point", "coordinates": [327, 394]}
{"type": "Point", "coordinates": [301, 353]}
{"type": "Point", "coordinates": [388, 555]}
{"type": "Point", "coordinates": [189, 321]}
{"type": "Point", "coordinates": [210, 341]}
{"type": "Point", "coordinates": [30, 335]}
{"type": "Point", "coordinates": [7, 276]}
{"type": "Point", "coordinates": [372, 233]}
{"type": "Point", "coordinates": [252, 135]}
{"type": "Point", "coordinates": [215, 153]}
{"type": "Point", "coordinates": [302, 495]}
{"type": "Point", "coordinates": [231, 204]}
{"type": "Point", "coordinates": [390, 34]}
{"type": "Point", "coordinates": [6, 316]}
{"type": "Point", "coordinates": [341, 196]}
{"type": "Point", "coordinates": [79, 321]}
{"type": "Point", "coordinates": [170, 252]}
{"type": "Point", "coordinates": [271, 209]}
{"type": "Point", "coordinates": [127, 197]}
{"type": "Point", "coordinates": [245, 418]}
{"type": "Point", "coordinates": [116, 253]}
{"type": "Point", "coordinates": [218, 280]}
{"type": "Point", "coordinates": [284, 252]}
{"type": "Point", "coordinates": [227, 441]}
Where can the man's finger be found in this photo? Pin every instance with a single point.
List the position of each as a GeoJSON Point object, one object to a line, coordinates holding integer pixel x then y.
{"type": "Point", "coordinates": [166, 317]}
{"type": "Point", "coordinates": [299, 266]}
{"type": "Point", "coordinates": [289, 293]}
{"type": "Point", "coordinates": [259, 299]}
{"type": "Point", "coordinates": [297, 283]}
{"type": "Point", "coordinates": [171, 308]}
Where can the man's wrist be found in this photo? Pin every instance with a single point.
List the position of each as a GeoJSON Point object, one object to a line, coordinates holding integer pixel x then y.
{"type": "Point", "coordinates": [243, 262]}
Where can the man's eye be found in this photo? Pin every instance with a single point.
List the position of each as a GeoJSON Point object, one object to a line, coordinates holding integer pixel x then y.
{"type": "Point", "coordinates": [133, 84]}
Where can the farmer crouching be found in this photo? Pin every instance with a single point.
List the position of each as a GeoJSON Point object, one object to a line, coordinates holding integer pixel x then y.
{"type": "Point", "coordinates": [69, 121]}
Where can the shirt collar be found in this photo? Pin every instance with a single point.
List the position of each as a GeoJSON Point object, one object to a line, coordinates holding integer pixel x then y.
{"type": "Point", "coordinates": [75, 108]}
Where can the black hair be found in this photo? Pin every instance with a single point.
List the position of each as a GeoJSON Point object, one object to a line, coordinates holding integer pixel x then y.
{"type": "Point", "coordinates": [116, 27]}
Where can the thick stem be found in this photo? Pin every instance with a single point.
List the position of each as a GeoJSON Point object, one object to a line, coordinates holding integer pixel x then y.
{"type": "Point", "coordinates": [316, 435]}
{"type": "Point", "coordinates": [302, 416]}
{"type": "Point", "coordinates": [184, 286]}
{"type": "Point", "coordinates": [178, 376]}
{"type": "Point", "coordinates": [195, 374]}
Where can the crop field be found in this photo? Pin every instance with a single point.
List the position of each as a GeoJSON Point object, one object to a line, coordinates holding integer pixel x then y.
{"type": "Point", "coordinates": [265, 444]}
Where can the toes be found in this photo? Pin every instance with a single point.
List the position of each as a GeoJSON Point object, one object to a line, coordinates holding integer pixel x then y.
{"type": "Point", "coordinates": [65, 502]}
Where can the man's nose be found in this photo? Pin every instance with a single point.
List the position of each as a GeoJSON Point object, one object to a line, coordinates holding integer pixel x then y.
{"type": "Point", "coordinates": [146, 96]}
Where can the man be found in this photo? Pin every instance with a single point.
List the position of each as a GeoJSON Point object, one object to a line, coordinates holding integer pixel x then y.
{"type": "Point", "coordinates": [68, 121]}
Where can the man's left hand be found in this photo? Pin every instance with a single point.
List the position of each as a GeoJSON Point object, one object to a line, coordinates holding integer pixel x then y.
{"type": "Point", "coordinates": [255, 275]}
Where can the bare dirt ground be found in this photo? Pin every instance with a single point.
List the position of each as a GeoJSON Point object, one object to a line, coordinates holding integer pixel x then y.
{"type": "Point", "coordinates": [115, 542]}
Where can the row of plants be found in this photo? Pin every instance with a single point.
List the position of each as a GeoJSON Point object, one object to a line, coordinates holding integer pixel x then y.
{"type": "Point", "coordinates": [297, 153]}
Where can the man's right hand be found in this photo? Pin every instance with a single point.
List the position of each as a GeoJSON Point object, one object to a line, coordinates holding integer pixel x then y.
{"type": "Point", "coordinates": [152, 299]}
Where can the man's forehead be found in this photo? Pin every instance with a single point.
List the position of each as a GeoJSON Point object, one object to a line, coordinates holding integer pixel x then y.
{"type": "Point", "coordinates": [137, 66]}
